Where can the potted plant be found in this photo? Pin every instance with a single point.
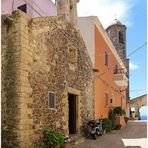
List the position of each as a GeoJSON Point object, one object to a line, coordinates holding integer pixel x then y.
{"type": "Point", "coordinates": [126, 119]}
{"type": "Point", "coordinates": [118, 126]}
{"type": "Point", "coordinates": [112, 118]}
{"type": "Point", "coordinates": [52, 138]}
{"type": "Point", "coordinates": [136, 117]}
{"type": "Point", "coordinates": [119, 111]}
{"type": "Point", "coordinates": [106, 124]}
{"type": "Point", "coordinates": [66, 140]}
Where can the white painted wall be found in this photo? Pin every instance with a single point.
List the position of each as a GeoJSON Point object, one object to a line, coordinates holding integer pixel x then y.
{"type": "Point", "coordinates": [86, 27]}
{"type": "Point", "coordinates": [49, 8]}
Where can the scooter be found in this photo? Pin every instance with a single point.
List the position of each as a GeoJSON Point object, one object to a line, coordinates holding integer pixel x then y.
{"type": "Point", "coordinates": [99, 129]}
{"type": "Point", "coordinates": [95, 128]}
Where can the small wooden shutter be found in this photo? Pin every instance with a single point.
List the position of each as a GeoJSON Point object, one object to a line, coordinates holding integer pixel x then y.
{"type": "Point", "coordinates": [106, 99]}
{"type": "Point", "coordinates": [106, 59]}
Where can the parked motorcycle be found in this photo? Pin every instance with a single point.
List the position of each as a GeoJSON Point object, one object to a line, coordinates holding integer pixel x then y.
{"type": "Point", "coordinates": [95, 128]}
{"type": "Point", "coordinates": [99, 129]}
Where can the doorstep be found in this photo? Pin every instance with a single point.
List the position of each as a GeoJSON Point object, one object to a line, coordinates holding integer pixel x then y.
{"type": "Point", "coordinates": [75, 139]}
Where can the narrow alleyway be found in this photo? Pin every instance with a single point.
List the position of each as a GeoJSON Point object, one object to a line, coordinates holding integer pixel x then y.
{"type": "Point", "coordinates": [134, 135]}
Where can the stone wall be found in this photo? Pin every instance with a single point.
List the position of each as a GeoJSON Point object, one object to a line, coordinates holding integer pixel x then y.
{"type": "Point", "coordinates": [15, 86]}
{"type": "Point", "coordinates": [68, 8]}
{"type": "Point", "coordinates": [36, 55]}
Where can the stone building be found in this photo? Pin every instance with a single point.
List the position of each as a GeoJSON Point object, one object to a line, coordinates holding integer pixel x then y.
{"type": "Point", "coordinates": [117, 33]}
{"type": "Point", "coordinates": [47, 78]}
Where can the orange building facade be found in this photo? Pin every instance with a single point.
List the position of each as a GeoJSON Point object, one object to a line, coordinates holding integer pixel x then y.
{"type": "Point", "coordinates": [110, 82]}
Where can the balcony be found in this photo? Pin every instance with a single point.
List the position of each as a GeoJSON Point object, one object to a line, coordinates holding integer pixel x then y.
{"type": "Point", "coordinates": [120, 77]}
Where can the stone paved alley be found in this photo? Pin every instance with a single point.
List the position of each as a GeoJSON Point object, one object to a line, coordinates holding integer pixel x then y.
{"type": "Point", "coordinates": [134, 135]}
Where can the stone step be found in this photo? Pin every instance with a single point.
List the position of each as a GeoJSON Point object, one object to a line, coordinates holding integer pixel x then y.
{"type": "Point", "coordinates": [76, 139]}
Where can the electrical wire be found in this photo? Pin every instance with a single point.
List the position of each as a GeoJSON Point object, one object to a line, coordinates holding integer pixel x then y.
{"type": "Point", "coordinates": [127, 56]}
{"type": "Point", "coordinates": [136, 50]}
{"type": "Point", "coordinates": [67, 35]}
{"type": "Point", "coordinates": [55, 25]}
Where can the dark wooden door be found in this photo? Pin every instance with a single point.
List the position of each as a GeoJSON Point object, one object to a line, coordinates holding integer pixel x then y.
{"type": "Point", "coordinates": [72, 113]}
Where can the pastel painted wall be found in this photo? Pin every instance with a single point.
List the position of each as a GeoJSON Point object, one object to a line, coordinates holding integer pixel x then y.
{"type": "Point", "coordinates": [104, 81]}
{"type": "Point", "coordinates": [97, 43]}
{"type": "Point", "coordinates": [44, 7]}
{"type": "Point", "coordinates": [85, 25]}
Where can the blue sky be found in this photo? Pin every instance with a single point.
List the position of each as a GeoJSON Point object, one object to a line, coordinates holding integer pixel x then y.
{"type": "Point", "coordinates": [133, 15]}
{"type": "Point", "coordinates": [136, 36]}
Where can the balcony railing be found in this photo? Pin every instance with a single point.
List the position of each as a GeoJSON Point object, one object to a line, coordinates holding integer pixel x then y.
{"type": "Point", "coordinates": [120, 77]}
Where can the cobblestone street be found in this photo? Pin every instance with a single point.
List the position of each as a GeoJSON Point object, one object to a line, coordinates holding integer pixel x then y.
{"type": "Point", "coordinates": [134, 135]}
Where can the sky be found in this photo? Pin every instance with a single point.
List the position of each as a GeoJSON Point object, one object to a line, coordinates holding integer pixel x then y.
{"type": "Point", "coordinates": [131, 13]}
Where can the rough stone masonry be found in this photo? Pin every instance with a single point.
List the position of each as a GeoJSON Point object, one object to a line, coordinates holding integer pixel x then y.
{"type": "Point", "coordinates": [41, 55]}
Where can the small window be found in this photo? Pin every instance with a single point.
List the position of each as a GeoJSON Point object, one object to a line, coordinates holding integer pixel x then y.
{"type": "Point", "coordinates": [116, 69]}
{"type": "Point", "coordinates": [106, 59]}
{"type": "Point", "coordinates": [72, 55]}
{"type": "Point", "coordinates": [23, 8]}
{"type": "Point", "coordinates": [106, 99]}
{"type": "Point", "coordinates": [124, 52]}
{"type": "Point", "coordinates": [112, 101]}
{"type": "Point", "coordinates": [121, 37]}
{"type": "Point", "coordinates": [51, 100]}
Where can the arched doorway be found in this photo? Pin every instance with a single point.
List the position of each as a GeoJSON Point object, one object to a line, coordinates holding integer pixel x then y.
{"type": "Point", "coordinates": [132, 112]}
{"type": "Point", "coordinates": [143, 112]}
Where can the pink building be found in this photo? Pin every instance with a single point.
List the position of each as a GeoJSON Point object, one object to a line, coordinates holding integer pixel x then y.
{"type": "Point", "coordinates": [31, 7]}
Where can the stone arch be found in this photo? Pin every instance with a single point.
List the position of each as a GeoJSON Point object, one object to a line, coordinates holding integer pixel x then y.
{"type": "Point", "coordinates": [143, 112]}
{"type": "Point", "coordinates": [137, 103]}
{"type": "Point", "coordinates": [121, 40]}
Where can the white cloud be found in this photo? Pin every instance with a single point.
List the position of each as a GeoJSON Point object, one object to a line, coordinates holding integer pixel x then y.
{"type": "Point", "coordinates": [107, 10]}
{"type": "Point", "coordinates": [133, 66]}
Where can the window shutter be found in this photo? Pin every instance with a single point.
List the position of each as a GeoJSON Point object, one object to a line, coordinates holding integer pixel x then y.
{"type": "Point", "coordinates": [106, 99]}
{"type": "Point", "coordinates": [106, 59]}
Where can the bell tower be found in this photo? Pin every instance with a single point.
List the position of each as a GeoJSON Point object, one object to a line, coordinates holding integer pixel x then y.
{"type": "Point", "coordinates": [68, 8]}
{"type": "Point", "coordinates": [117, 33]}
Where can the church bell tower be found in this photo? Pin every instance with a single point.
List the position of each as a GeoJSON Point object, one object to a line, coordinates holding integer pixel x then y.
{"type": "Point", "coordinates": [117, 33]}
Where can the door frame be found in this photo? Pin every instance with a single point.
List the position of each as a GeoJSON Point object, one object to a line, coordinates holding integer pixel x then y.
{"type": "Point", "coordinates": [77, 94]}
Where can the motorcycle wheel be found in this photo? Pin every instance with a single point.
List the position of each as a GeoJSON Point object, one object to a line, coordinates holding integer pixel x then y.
{"type": "Point", "coordinates": [93, 136]}
{"type": "Point", "coordinates": [100, 133]}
